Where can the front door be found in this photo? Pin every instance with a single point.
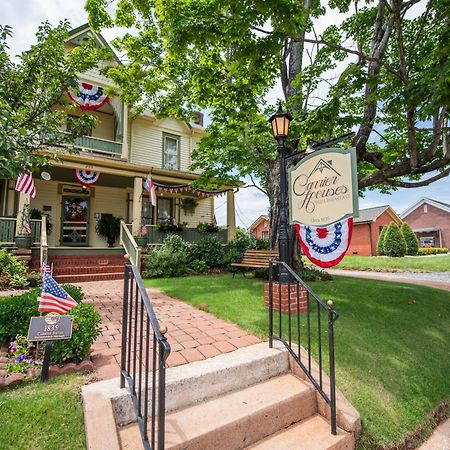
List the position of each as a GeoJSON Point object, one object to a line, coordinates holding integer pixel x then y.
{"type": "Point", "coordinates": [75, 221]}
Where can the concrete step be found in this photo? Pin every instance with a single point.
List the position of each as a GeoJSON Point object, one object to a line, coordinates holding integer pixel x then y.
{"type": "Point", "coordinates": [313, 433]}
{"type": "Point", "coordinates": [88, 277]}
{"type": "Point", "coordinates": [239, 419]}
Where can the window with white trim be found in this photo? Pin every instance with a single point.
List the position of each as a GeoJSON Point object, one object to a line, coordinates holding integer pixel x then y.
{"type": "Point", "coordinates": [171, 152]}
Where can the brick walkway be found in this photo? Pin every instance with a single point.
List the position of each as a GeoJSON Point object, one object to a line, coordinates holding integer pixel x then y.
{"type": "Point", "coordinates": [193, 334]}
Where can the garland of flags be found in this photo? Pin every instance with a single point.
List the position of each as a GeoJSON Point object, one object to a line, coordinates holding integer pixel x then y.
{"type": "Point", "coordinates": [325, 246]}
{"type": "Point", "coordinates": [88, 96]}
{"type": "Point", "coordinates": [180, 188]}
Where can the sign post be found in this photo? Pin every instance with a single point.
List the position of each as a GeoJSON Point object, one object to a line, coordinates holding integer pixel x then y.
{"type": "Point", "coordinates": [49, 328]}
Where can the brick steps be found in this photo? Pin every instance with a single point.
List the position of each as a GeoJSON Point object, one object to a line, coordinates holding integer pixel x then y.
{"type": "Point", "coordinates": [88, 277]}
{"type": "Point", "coordinates": [75, 268]}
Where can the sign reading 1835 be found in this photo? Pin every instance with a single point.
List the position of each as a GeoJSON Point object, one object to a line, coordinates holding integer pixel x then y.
{"type": "Point", "coordinates": [323, 188]}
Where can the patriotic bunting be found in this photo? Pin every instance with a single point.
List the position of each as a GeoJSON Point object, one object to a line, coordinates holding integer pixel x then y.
{"type": "Point", "coordinates": [86, 177]}
{"type": "Point", "coordinates": [25, 184]}
{"type": "Point", "coordinates": [179, 188]}
{"type": "Point", "coordinates": [150, 188]}
{"type": "Point", "coordinates": [88, 97]}
{"type": "Point", "coordinates": [325, 246]}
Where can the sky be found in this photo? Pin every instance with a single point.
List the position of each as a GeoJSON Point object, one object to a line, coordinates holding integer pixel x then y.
{"type": "Point", "coordinates": [26, 15]}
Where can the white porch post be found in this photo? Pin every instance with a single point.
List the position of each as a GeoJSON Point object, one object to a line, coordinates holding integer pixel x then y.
{"type": "Point", "coordinates": [137, 206]}
{"type": "Point", "coordinates": [125, 149]}
{"type": "Point", "coordinates": [24, 199]}
{"type": "Point", "coordinates": [231, 218]}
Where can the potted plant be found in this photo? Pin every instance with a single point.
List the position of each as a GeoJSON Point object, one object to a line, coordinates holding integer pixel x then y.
{"type": "Point", "coordinates": [141, 240]}
{"type": "Point", "coordinates": [108, 226]}
{"type": "Point", "coordinates": [205, 227]}
{"type": "Point", "coordinates": [23, 239]}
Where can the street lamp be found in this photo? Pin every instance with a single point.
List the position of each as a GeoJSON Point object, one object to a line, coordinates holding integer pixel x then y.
{"type": "Point", "coordinates": [280, 128]}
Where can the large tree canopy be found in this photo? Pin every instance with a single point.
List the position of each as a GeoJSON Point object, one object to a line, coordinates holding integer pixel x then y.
{"type": "Point", "coordinates": [30, 87]}
{"type": "Point", "coordinates": [392, 87]}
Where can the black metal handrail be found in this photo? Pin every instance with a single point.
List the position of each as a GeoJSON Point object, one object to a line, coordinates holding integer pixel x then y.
{"type": "Point", "coordinates": [143, 360]}
{"type": "Point", "coordinates": [294, 333]}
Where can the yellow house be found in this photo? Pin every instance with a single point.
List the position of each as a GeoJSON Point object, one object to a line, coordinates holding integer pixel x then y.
{"type": "Point", "coordinates": [122, 152]}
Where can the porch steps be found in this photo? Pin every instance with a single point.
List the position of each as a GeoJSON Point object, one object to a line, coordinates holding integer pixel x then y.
{"type": "Point", "coordinates": [75, 268]}
{"type": "Point", "coordinates": [246, 399]}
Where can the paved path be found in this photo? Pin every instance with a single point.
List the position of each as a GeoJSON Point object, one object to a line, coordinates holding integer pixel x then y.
{"type": "Point", "coordinates": [193, 334]}
{"type": "Point", "coordinates": [440, 280]}
{"type": "Point", "coordinates": [440, 439]}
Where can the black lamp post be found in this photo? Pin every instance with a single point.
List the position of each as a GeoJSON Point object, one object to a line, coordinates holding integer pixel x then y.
{"type": "Point", "coordinates": [280, 127]}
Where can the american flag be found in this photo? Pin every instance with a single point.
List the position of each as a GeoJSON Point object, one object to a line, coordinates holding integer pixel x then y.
{"type": "Point", "coordinates": [53, 297]}
{"type": "Point", "coordinates": [25, 184]}
{"type": "Point", "coordinates": [46, 268]}
{"type": "Point", "coordinates": [150, 188]}
{"type": "Point", "coordinates": [26, 225]}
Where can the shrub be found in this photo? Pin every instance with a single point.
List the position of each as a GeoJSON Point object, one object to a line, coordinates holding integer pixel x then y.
{"type": "Point", "coordinates": [15, 313]}
{"type": "Point", "coordinates": [412, 244]}
{"type": "Point", "coordinates": [206, 227]}
{"type": "Point", "coordinates": [175, 243]}
{"type": "Point", "coordinates": [432, 251]}
{"type": "Point", "coordinates": [199, 265]}
{"type": "Point", "coordinates": [313, 274]}
{"type": "Point", "coordinates": [165, 263]}
{"type": "Point", "coordinates": [86, 321]}
{"type": "Point", "coordinates": [394, 243]}
{"type": "Point", "coordinates": [208, 249]}
{"type": "Point", "coordinates": [12, 271]}
{"type": "Point", "coordinates": [235, 249]}
{"type": "Point", "coordinates": [380, 243]}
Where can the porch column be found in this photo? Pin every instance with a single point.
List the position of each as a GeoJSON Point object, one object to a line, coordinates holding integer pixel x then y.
{"type": "Point", "coordinates": [137, 207]}
{"type": "Point", "coordinates": [231, 218]}
{"type": "Point", "coordinates": [125, 131]}
{"type": "Point", "coordinates": [24, 200]}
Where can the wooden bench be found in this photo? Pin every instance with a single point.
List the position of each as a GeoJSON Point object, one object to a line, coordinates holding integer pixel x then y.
{"type": "Point", "coordinates": [255, 259]}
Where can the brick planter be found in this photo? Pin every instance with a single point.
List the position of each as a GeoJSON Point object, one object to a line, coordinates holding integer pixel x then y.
{"type": "Point", "coordinates": [285, 298]}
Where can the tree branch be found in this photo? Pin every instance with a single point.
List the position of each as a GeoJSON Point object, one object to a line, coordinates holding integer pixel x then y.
{"type": "Point", "coordinates": [407, 184]}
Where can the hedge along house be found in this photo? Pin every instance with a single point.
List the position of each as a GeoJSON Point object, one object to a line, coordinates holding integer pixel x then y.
{"type": "Point", "coordinates": [367, 228]}
{"type": "Point", "coordinates": [122, 152]}
{"type": "Point", "coordinates": [430, 221]}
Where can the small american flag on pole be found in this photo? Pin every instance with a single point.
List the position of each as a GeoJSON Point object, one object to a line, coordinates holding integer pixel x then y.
{"type": "Point", "coordinates": [45, 267]}
{"type": "Point", "coordinates": [53, 297]}
{"type": "Point", "coordinates": [150, 188]}
{"type": "Point", "coordinates": [25, 184]}
{"type": "Point", "coordinates": [26, 225]}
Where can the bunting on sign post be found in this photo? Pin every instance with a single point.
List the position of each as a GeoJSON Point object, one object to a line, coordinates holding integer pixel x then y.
{"type": "Point", "coordinates": [325, 246]}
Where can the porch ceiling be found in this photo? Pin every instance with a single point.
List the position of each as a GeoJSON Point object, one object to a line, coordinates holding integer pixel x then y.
{"type": "Point", "coordinates": [67, 176]}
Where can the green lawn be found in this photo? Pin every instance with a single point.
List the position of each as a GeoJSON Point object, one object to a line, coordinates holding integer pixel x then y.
{"type": "Point", "coordinates": [43, 415]}
{"type": "Point", "coordinates": [392, 343]}
{"type": "Point", "coordinates": [435, 263]}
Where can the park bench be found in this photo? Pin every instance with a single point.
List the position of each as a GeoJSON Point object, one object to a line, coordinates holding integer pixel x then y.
{"type": "Point", "coordinates": [255, 259]}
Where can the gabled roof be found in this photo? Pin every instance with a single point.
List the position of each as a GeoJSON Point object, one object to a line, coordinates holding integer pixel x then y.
{"type": "Point", "coordinates": [372, 214]}
{"type": "Point", "coordinates": [429, 201]}
{"type": "Point", "coordinates": [78, 34]}
{"type": "Point", "coordinates": [258, 221]}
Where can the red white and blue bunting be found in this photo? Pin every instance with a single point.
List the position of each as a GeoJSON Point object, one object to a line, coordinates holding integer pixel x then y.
{"type": "Point", "coordinates": [325, 246]}
{"type": "Point", "coordinates": [86, 177]}
{"type": "Point", "coordinates": [88, 97]}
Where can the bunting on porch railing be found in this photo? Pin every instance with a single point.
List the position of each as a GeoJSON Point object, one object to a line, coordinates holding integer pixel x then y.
{"type": "Point", "coordinates": [179, 188]}
{"type": "Point", "coordinates": [88, 96]}
{"type": "Point", "coordinates": [325, 246]}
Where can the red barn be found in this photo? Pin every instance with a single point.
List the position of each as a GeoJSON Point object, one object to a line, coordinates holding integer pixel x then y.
{"type": "Point", "coordinates": [367, 228]}
{"type": "Point", "coordinates": [430, 220]}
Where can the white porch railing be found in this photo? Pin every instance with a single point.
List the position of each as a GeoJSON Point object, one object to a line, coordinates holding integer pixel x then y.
{"type": "Point", "coordinates": [129, 245]}
{"type": "Point", "coordinates": [7, 230]}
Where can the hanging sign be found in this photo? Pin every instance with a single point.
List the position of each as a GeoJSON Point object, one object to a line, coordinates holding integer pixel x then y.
{"type": "Point", "coordinates": [323, 188]}
{"type": "Point", "coordinates": [325, 246]}
{"type": "Point", "coordinates": [88, 96]}
{"type": "Point", "coordinates": [86, 177]}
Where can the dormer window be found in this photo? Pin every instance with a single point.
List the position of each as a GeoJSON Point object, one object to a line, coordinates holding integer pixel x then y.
{"type": "Point", "coordinates": [171, 151]}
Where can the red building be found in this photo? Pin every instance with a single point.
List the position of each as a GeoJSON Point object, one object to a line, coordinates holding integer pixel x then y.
{"type": "Point", "coordinates": [260, 228]}
{"type": "Point", "coordinates": [367, 228]}
{"type": "Point", "coordinates": [430, 220]}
